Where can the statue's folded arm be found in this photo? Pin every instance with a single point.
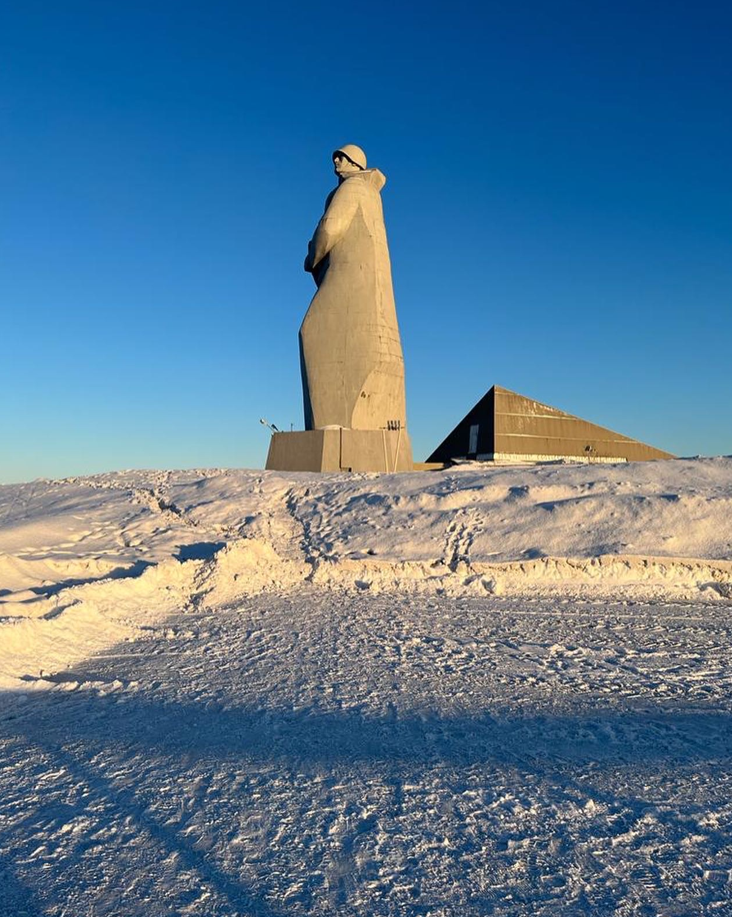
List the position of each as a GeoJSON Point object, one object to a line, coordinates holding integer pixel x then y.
{"type": "Point", "coordinates": [335, 221]}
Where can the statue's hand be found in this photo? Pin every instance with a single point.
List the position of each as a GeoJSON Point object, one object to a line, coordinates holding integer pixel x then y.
{"type": "Point", "coordinates": [309, 263]}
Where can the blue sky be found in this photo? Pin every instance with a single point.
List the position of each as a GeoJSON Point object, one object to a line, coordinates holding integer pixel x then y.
{"type": "Point", "coordinates": [558, 204]}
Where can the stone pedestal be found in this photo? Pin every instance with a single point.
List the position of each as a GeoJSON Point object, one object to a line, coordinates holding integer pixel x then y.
{"type": "Point", "coordinates": [340, 450]}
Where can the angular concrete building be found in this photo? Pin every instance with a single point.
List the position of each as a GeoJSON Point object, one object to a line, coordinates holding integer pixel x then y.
{"type": "Point", "coordinates": [506, 427]}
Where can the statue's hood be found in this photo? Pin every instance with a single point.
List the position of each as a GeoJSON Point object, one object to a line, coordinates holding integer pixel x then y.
{"type": "Point", "coordinates": [373, 177]}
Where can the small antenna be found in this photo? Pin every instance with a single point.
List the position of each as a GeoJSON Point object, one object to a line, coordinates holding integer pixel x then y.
{"type": "Point", "coordinates": [271, 426]}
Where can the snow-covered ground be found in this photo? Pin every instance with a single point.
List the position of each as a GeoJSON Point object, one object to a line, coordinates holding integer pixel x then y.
{"type": "Point", "coordinates": [502, 691]}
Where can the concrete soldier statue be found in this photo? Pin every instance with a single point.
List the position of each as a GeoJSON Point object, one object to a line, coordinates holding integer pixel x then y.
{"type": "Point", "coordinates": [350, 351]}
{"type": "Point", "coordinates": [352, 363]}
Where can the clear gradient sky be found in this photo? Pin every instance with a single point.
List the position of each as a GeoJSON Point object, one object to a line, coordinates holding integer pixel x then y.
{"type": "Point", "coordinates": [558, 204]}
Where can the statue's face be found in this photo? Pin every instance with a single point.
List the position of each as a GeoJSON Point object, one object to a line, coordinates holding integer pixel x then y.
{"type": "Point", "coordinates": [343, 165]}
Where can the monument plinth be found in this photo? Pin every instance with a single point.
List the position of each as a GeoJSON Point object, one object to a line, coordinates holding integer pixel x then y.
{"type": "Point", "coordinates": [340, 449]}
{"type": "Point", "coordinates": [350, 350]}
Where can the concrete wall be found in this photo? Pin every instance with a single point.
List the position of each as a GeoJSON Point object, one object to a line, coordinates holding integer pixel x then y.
{"type": "Point", "coordinates": [508, 424]}
{"type": "Point", "coordinates": [525, 426]}
{"type": "Point", "coordinates": [340, 450]}
{"type": "Point", "coordinates": [308, 450]}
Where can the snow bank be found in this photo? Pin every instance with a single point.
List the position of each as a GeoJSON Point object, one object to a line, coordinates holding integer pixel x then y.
{"type": "Point", "coordinates": [86, 562]}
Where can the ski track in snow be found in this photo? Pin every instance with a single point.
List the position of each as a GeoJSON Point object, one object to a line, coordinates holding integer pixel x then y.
{"type": "Point", "coordinates": [467, 693]}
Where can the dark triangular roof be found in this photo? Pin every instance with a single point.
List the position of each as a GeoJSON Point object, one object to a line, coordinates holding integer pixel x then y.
{"type": "Point", "coordinates": [514, 427]}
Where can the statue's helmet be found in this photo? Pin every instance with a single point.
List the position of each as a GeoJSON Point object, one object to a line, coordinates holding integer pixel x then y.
{"type": "Point", "coordinates": [354, 153]}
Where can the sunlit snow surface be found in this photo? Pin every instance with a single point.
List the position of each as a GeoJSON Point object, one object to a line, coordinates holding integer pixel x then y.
{"type": "Point", "coordinates": [472, 692]}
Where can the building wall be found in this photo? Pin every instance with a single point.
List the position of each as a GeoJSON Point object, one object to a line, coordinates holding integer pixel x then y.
{"type": "Point", "coordinates": [456, 443]}
{"type": "Point", "coordinates": [508, 424]}
{"type": "Point", "coordinates": [530, 427]}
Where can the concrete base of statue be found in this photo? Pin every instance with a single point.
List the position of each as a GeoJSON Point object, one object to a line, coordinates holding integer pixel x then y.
{"type": "Point", "coordinates": [339, 449]}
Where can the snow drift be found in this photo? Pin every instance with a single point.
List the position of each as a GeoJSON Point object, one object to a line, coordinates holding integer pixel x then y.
{"type": "Point", "coordinates": [86, 561]}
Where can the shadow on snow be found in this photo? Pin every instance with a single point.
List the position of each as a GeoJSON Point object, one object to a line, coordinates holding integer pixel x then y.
{"type": "Point", "coordinates": [77, 731]}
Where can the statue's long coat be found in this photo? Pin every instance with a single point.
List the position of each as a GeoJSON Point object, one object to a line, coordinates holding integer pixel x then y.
{"type": "Point", "coordinates": [351, 355]}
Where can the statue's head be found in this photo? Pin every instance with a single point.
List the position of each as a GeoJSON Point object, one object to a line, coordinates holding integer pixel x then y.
{"type": "Point", "coordinates": [348, 159]}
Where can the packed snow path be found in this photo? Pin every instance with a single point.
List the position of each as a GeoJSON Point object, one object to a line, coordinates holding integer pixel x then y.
{"type": "Point", "coordinates": [335, 754]}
